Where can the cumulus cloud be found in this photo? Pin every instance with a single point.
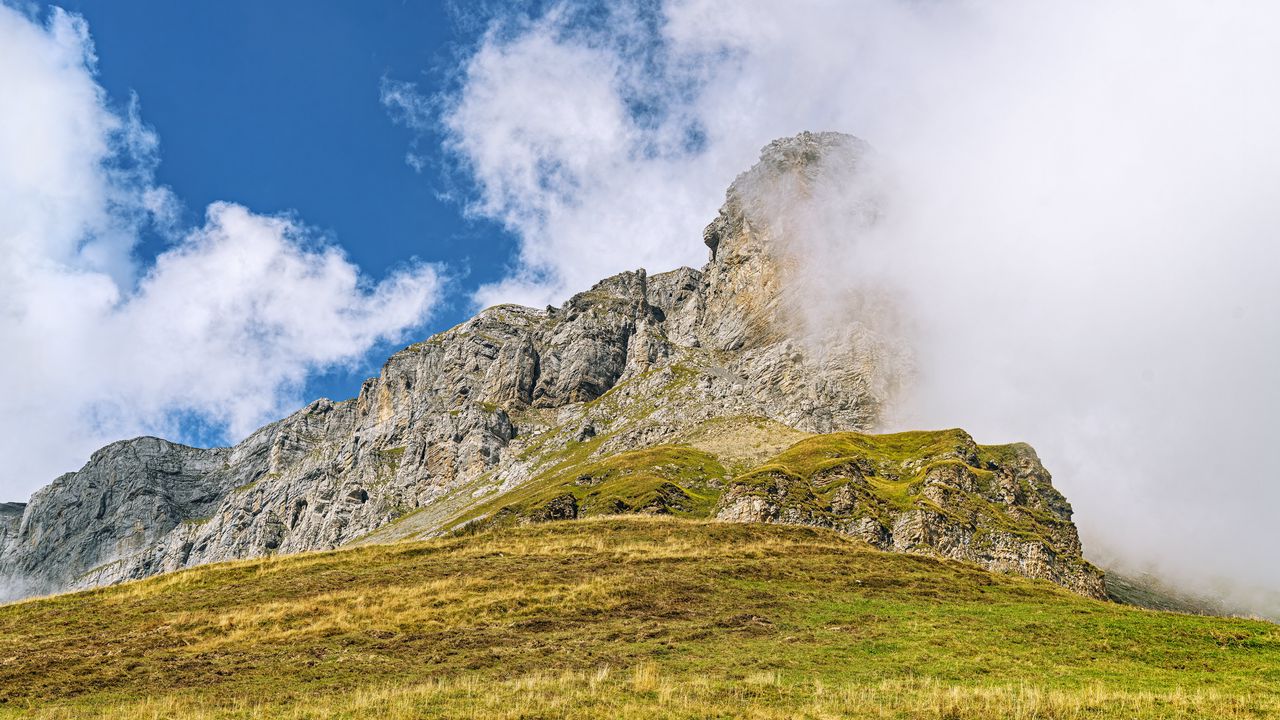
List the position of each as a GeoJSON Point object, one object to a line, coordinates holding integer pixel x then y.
{"type": "Point", "coordinates": [1080, 222]}
{"type": "Point", "coordinates": [222, 329]}
{"type": "Point", "coordinates": [567, 126]}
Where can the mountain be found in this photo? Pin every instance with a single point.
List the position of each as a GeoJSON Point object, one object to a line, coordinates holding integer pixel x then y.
{"type": "Point", "coordinates": [705, 393]}
{"type": "Point", "coordinates": [622, 617]}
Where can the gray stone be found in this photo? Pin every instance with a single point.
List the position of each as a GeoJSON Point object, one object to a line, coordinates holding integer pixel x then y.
{"type": "Point", "coordinates": [473, 411]}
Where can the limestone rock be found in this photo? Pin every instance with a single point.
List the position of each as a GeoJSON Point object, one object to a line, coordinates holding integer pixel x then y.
{"type": "Point", "coordinates": [994, 506]}
{"type": "Point", "coordinates": [487, 407]}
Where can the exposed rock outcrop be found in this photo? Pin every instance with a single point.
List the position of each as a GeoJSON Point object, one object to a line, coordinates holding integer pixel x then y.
{"type": "Point", "coordinates": [498, 402]}
{"type": "Point", "coordinates": [938, 493]}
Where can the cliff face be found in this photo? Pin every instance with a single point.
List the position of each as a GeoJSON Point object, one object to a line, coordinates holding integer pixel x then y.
{"type": "Point", "coordinates": [495, 406]}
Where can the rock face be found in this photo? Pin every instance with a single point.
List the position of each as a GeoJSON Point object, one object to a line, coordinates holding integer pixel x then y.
{"type": "Point", "coordinates": [923, 492]}
{"type": "Point", "coordinates": [10, 520]}
{"type": "Point", "coordinates": [492, 405]}
{"type": "Point", "coordinates": [102, 520]}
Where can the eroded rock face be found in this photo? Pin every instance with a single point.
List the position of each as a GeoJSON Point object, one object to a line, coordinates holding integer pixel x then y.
{"type": "Point", "coordinates": [995, 507]}
{"type": "Point", "coordinates": [760, 238]}
{"type": "Point", "coordinates": [477, 410]}
{"type": "Point", "coordinates": [10, 520]}
{"type": "Point", "coordinates": [102, 519]}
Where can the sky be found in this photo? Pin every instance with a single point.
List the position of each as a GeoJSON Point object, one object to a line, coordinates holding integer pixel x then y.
{"type": "Point", "coordinates": [214, 108]}
{"type": "Point", "coordinates": [213, 212]}
{"type": "Point", "coordinates": [276, 106]}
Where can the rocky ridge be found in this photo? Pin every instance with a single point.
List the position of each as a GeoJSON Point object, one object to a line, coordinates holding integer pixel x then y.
{"type": "Point", "coordinates": [516, 397]}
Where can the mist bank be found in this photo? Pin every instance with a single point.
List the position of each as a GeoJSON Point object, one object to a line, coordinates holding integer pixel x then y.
{"type": "Point", "coordinates": [1129, 340]}
{"type": "Point", "coordinates": [1075, 228]}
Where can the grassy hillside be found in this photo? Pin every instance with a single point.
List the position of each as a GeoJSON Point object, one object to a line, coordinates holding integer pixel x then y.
{"type": "Point", "coordinates": [685, 480]}
{"type": "Point", "coordinates": [633, 618]}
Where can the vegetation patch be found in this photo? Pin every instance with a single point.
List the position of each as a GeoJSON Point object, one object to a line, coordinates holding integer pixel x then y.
{"type": "Point", "coordinates": [665, 479]}
{"type": "Point", "coordinates": [828, 480]}
{"type": "Point", "coordinates": [835, 477]}
{"type": "Point", "coordinates": [621, 617]}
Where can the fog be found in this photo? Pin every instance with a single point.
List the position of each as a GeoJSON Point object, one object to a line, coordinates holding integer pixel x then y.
{"type": "Point", "coordinates": [1078, 215]}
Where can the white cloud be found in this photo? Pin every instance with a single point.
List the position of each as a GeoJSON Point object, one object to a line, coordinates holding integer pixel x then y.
{"type": "Point", "coordinates": [224, 326]}
{"type": "Point", "coordinates": [1082, 221]}
{"type": "Point", "coordinates": [547, 128]}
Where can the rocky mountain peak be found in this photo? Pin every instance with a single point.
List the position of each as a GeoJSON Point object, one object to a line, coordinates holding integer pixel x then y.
{"type": "Point", "coordinates": [789, 170]}
{"type": "Point", "coordinates": [775, 223]}
{"type": "Point", "coordinates": [680, 386]}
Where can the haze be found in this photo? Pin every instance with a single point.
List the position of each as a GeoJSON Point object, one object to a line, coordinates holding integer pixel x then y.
{"type": "Point", "coordinates": [1079, 225]}
{"type": "Point", "coordinates": [1074, 240]}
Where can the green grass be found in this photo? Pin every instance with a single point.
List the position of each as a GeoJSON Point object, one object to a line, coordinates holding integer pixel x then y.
{"type": "Point", "coordinates": [664, 479]}
{"type": "Point", "coordinates": [829, 480]}
{"type": "Point", "coordinates": [891, 461]}
{"type": "Point", "coordinates": [890, 470]}
{"type": "Point", "coordinates": [891, 466]}
{"type": "Point", "coordinates": [631, 618]}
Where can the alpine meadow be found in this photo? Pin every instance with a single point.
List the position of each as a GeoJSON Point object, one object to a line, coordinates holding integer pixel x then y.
{"type": "Point", "coordinates": [674, 359]}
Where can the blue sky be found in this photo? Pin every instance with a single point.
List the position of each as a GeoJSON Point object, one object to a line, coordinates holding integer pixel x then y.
{"type": "Point", "coordinates": [212, 213]}
{"type": "Point", "coordinates": [1079, 234]}
{"type": "Point", "coordinates": [275, 105]}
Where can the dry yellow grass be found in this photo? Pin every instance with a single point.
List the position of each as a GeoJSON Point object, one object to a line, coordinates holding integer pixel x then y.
{"type": "Point", "coordinates": [621, 617]}
{"type": "Point", "coordinates": [645, 692]}
{"type": "Point", "coordinates": [743, 442]}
